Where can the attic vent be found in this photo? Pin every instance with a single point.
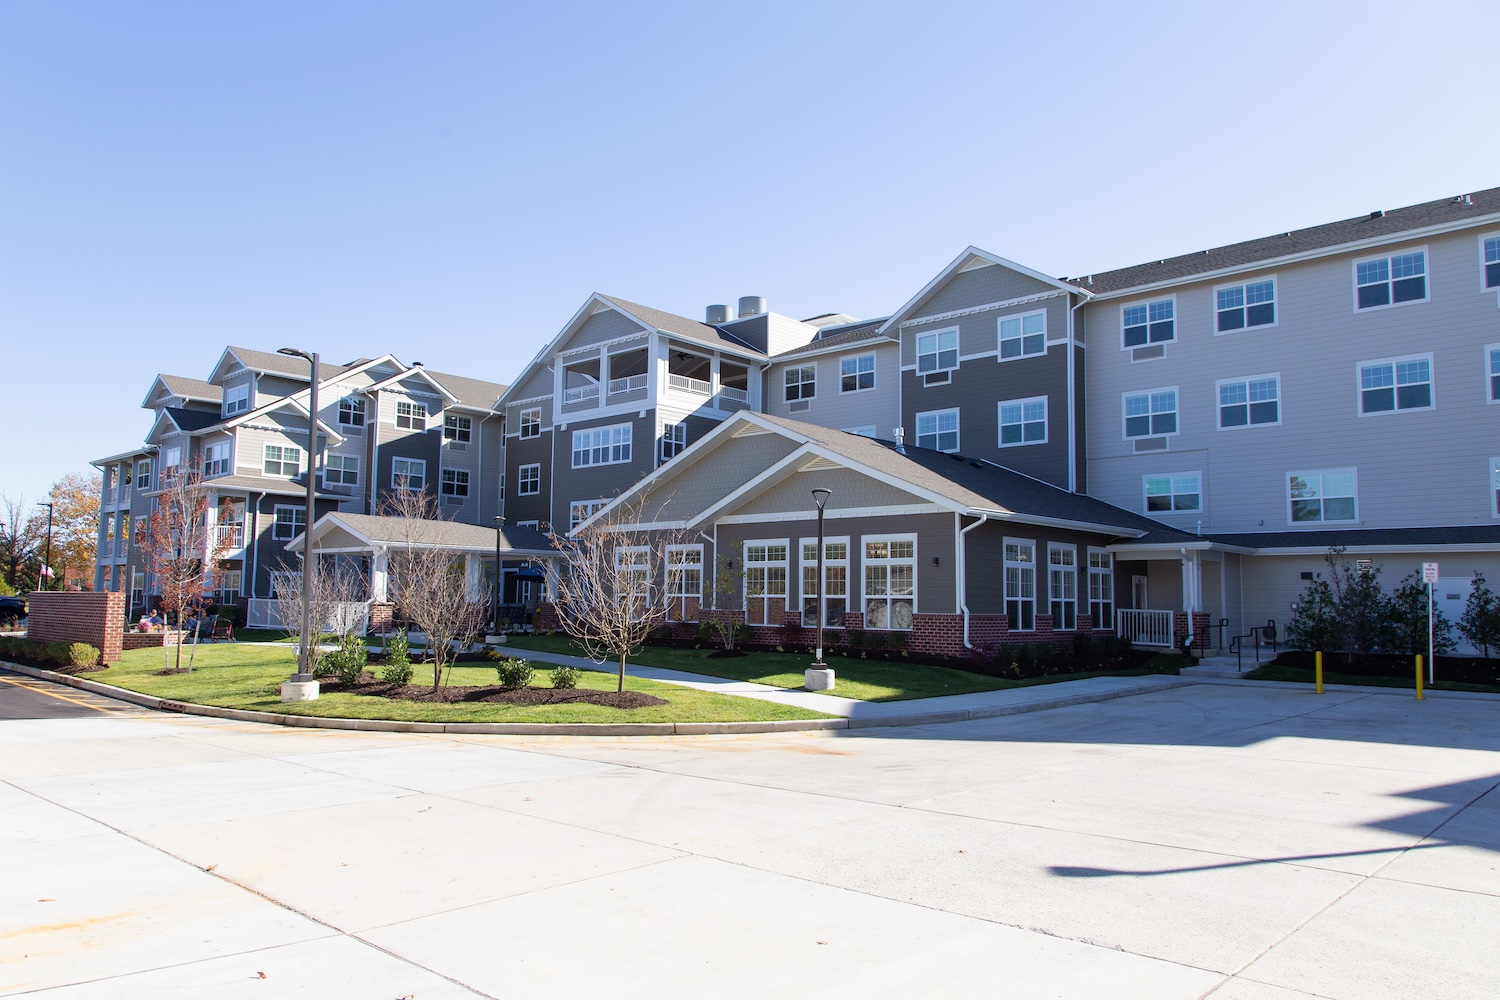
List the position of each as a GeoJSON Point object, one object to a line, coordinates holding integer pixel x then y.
{"type": "Point", "coordinates": [819, 464]}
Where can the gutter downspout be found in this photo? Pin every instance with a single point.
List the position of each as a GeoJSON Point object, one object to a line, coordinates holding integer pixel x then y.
{"type": "Point", "coordinates": [963, 582]}
{"type": "Point", "coordinates": [254, 528]}
{"type": "Point", "coordinates": [1072, 403]}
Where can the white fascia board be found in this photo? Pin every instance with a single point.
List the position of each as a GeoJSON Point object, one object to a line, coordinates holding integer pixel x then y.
{"type": "Point", "coordinates": [377, 386]}
{"type": "Point", "coordinates": [569, 328]}
{"type": "Point", "coordinates": [110, 460]}
{"type": "Point", "coordinates": [809, 352]}
{"type": "Point", "coordinates": [1173, 550]}
{"type": "Point", "coordinates": [900, 314]}
{"type": "Point", "coordinates": [1092, 527]}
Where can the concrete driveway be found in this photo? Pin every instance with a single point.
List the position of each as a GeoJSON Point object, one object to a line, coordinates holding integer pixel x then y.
{"type": "Point", "coordinates": [1243, 842]}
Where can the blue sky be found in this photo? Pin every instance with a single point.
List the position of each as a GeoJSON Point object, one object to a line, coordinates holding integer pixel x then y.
{"type": "Point", "coordinates": [448, 181]}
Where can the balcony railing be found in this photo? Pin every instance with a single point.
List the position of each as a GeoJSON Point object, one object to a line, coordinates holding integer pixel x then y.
{"type": "Point", "coordinates": [1144, 628]}
{"type": "Point", "coordinates": [686, 384]}
{"type": "Point", "coordinates": [579, 393]}
{"type": "Point", "coordinates": [232, 535]}
{"type": "Point", "coordinates": [630, 383]}
{"type": "Point", "coordinates": [729, 395]}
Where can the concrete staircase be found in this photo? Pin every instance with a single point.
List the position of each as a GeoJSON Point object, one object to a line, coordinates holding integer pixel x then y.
{"type": "Point", "coordinates": [1219, 666]}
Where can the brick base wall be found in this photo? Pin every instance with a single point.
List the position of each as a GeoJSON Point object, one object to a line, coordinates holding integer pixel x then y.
{"type": "Point", "coordinates": [382, 617]}
{"type": "Point", "coordinates": [97, 618]}
{"type": "Point", "coordinates": [546, 618]}
{"type": "Point", "coordinates": [147, 640]}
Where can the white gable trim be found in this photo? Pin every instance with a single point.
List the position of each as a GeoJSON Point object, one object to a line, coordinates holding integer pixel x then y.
{"type": "Point", "coordinates": [899, 316]}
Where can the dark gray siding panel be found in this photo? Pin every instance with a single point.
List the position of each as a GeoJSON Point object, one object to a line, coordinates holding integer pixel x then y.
{"type": "Point", "coordinates": [978, 287]}
{"type": "Point", "coordinates": [599, 481]}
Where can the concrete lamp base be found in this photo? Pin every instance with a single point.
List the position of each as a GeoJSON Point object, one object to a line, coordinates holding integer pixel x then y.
{"type": "Point", "coordinates": [302, 687]}
{"type": "Point", "coordinates": [818, 679]}
{"type": "Point", "coordinates": [494, 640]}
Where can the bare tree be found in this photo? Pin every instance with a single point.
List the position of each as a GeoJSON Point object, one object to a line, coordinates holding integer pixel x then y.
{"type": "Point", "coordinates": [427, 579]}
{"type": "Point", "coordinates": [340, 601]}
{"type": "Point", "coordinates": [21, 537]}
{"type": "Point", "coordinates": [180, 548]}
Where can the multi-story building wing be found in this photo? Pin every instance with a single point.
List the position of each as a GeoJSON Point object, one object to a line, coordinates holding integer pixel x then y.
{"type": "Point", "coordinates": [848, 377]}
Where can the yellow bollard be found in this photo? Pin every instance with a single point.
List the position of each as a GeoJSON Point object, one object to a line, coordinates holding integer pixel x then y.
{"type": "Point", "coordinates": [1420, 695]}
{"type": "Point", "coordinates": [1318, 670]}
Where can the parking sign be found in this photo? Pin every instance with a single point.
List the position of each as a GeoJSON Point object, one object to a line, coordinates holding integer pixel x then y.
{"type": "Point", "coordinates": [1429, 572]}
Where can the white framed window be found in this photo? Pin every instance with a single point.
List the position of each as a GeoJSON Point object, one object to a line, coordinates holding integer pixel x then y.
{"type": "Point", "coordinates": [501, 488]}
{"type": "Point", "coordinates": [764, 579]}
{"type": "Point", "coordinates": [531, 422]}
{"type": "Point", "coordinates": [1390, 281]}
{"type": "Point", "coordinates": [216, 459]}
{"type": "Point", "coordinates": [938, 430]}
{"type": "Point", "coordinates": [1243, 307]}
{"type": "Point", "coordinates": [801, 382]}
{"type": "Point", "coordinates": [1249, 402]}
{"type": "Point", "coordinates": [581, 510]}
{"type": "Point", "coordinates": [411, 415]}
{"type": "Point", "coordinates": [633, 577]}
{"type": "Point", "coordinates": [409, 473]}
{"type": "Point", "coordinates": [1495, 487]}
{"type": "Point", "coordinates": [229, 585]}
{"type": "Point", "coordinates": [455, 483]}
{"type": "Point", "coordinates": [1492, 372]}
{"type": "Point", "coordinates": [1393, 384]}
{"type": "Point", "coordinates": [835, 581]}
{"type": "Point", "coordinates": [1327, 495]}
{"type": "Point", "coordinates": [236, 399]}
{"type": "Point", "coordinates": [937, 355]}
{"type": "Point", "coordinates": [143, 474]}
{"type": "Point", "coordinates": [1173, 493]}
{"type": "Point", "coordinates": [1020, 584]}
{"type": "Point", "coordinates": [601, 446]}
{"type": "Point", "coordinates": [857, 373]}
{"type": "Point", "coordinates": [890, 564]}
{"type": "Point", "coordinates": [1023, 421]}
{"type": "Point", "coordinates": [1146, 323]}
{"type": "Point", "coordinates": [137, 588]}
{"type": "Point", "coordinates": [290, 521]}
{"type": "Point", "coordinates": [351, 411]}
{"type": "Point", "coordinates": [1489, 262]}
{"type": "Point", "coordinates": [673, 440]}
{"type": "Point", "coordinates": [1062, 585]}
{"type": "Point", "coordinates": [1102, 588]}
{"type": "Point", "coordinates": [171, 459]}
{"type": "Point", "coordinates": [341, 469]}
{"type": "Point", "coordinates": [1152, 413]}
{"type": "Point", "coordinates": [281, 460]}
{"type": "Point", "coordinates": [529, 524]}
{"type": "Point", "coordinates": [1023, 336]}
{"type": "Point", "coordinates": [457, 427]}
{"type": "Point", "coordinates": [529, 480]}
{"type": "Point", "coordinates": [684, 576]}
{"type": "Point", "coordinates": [866, 431]}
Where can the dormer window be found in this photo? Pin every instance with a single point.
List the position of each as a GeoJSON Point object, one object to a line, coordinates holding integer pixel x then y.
{"type": "Point", "coordinates": [236, 399]}
{"type": "Point", "coordinates": [352, 411]}
{"type": "Point", "coordinates": [412, 416]}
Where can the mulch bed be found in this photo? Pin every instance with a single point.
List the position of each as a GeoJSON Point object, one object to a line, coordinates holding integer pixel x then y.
{"type": "Point", "coordinates": [370, 686]}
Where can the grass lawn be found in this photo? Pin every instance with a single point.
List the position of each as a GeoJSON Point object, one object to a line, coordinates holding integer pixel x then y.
{"type": "Point", "coordinates": [231, 675]}
{"type": "Point", "coordinates": [862, 680]}
{"type": "Point", "coordinates": [1280, 672]}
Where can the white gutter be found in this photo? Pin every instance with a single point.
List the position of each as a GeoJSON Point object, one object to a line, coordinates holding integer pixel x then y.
{"type": "Point", "coordinates": [963, 583]}
{"type": "Point", "coordinates": [1072, 406]}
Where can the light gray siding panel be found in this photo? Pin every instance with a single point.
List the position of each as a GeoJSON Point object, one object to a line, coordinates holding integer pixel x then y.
{"type": "Point", "coordinates": [833, 408]}
{"type": "Point", "coordinates": [980, 286]}
{"type": "Point", "coordinates": [535, 381]}
{"type": "Point", "coordinates": [850, 490]}
{"type": "Point", "coordinates": [601, 326]}
{"type": "Point", "coordinates": [712, 476]}
{"type": "Point", "coordinates": [491, 464]}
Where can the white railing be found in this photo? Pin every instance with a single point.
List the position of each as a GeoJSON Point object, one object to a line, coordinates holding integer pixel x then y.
{"type": "Point", "coordinates": [260, 612]}
{"type": "Point", "coordinates": [686, 384]}
{"type": "Point", "coordinates": [733, 395]}
{"type": "Point", "coordinates": [579, 393]}
{"type": "Point", "coordinates": [630, 383]}
{"type": "Point", "coordinates": [232, 535]}
{"type": "Point", "coordinates": [1144, 628]}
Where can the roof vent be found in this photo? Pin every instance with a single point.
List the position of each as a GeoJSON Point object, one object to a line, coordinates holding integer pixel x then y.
{"type": "Point", "coordinates": [416, 364]}
{"type": "Point", "coordinates": [1379, 213]}
{"type": "Point", "coordinates": [752, 305]}
{"type": "Point", "coordinates": [899, 434]}
{"type": "Point", "coordinates": [1466, 201]}
{"type": "Point", "coordinates": [716, 315]}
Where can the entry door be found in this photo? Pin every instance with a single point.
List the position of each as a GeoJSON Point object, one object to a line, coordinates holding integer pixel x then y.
{"type": "Point", "coordinates": [1138, 593]}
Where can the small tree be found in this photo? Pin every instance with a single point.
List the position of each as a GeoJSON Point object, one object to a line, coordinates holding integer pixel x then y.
{"type": "Point", "coordinates": [1346, 612]}
{"type": "Point", "coordinates": [339, 602]}
{"type": "Point", "coordinates": [1480, 624]}
{"type": "Point", "coordinates": [180, 548]}
{"type": "Point", "coordinates": [1315, 619]}
{"type": "Point", "coordinates": [726, 631]}
{"type": "Point", "coordinates": [1406, 621]}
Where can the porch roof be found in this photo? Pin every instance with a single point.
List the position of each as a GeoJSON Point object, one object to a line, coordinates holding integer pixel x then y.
{"type": "Point", "coordinates": [374, 532]}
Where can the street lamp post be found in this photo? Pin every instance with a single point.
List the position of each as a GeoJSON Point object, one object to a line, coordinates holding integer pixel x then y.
{"type": "Point", "coordinates": [819, 677]}
{"type": "Point", "coordinates": [304, 686]}
{"type": "Point", "coordinates": [495, 604]}
{"type": "Point", "coordinates": [47, 559]}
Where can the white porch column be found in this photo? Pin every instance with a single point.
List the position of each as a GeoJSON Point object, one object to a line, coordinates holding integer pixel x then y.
{"type": "Point", "coordinates": [380, 576]}
{"type": "Point", "coordinates": [1192, 581]}
{"type": "Point", "coordinates": [473, 578]}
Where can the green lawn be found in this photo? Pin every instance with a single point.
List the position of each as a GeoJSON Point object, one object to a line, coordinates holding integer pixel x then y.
{"type": "Point", "coordinates": [1280, 672]}
{"type": "Point", "coordinates": [862, 680]}
{"type": "Point", "coordinates": [232, 675]}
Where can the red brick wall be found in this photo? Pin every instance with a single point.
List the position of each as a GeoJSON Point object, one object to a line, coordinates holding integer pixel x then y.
{"type": "Point", "coordinates": [72, 616]}
{"type": "Point", "coordinates": [546, 619]}
{"type": "Point", "coordinates": [146, 640]}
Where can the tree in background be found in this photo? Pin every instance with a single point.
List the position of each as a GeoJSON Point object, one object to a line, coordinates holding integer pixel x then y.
{"type": "Point", "coordinates": [1406, 620]}
{"type": "Point", "coordinates": [339, 602]}
{"type": "Point", "coordinates": [22, 534]}
{"type": "Point", "coordinates": [1346, 612]}
{"type": "Point", "coordinates": [180, 548]}
{"type": "Point", "coordinates": [1480, 624]}
{"type": "Point", "coordinates": [75, 523]}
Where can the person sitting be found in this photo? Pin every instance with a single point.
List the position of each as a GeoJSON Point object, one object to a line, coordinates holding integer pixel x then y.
{"type": "Point", "coordinates": [149, 621]}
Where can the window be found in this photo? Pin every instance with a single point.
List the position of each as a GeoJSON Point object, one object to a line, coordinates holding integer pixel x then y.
{"type": "Point", "coordinates": [229, 586]}
{"type": "Point", "coordinates": [801, 383]}
{"type": "Point", "coordinates": [501, 488]}
{"type": "Point", "coordinates": [1020, 584]}
{"type": "Point", "coordinates": [1250, 401]}
{"type": "Point", "coordinates": [938, 429]}
{"type": "Point", "coordinates": [1243, 306]}
{"type": "Point", "coordinates": [1490, 249]}
{"type": "Point", "coordinates": [231, 525]}
{"type": "Point", "coordinates": [409, 473]}
{"type": "Point", "coordinates": [673, 440]}
{"type": "Point", "coordinates": [171, 460]}
{"type": "Point", "coordinates": [1149, 323]}
{"type": "Point", "coordinates": [1150, 413]}
{"type": "Point", "coordinates": [455, 483]}
{"type": "Point", "coordinates": [1387, 281]}
{"type": "Point", "coordinates": [352, 411]}
{"type": "Point", "coordinates": [633, 578]}
{"type": "Point", "coordinates": [835, 581]}
{"type": "Point", "coordinates": [1062, 585]}
{"type": "Point", "coordinates": [1395, 384]}
{"type": "Point", "coordinates": [1023, 336]}
{"type": "Point", "coordinates": [290, 521]}
{"type": "Point", "coordinates": [866, 431]}
{"type": "Point", "coordinates": [456, 428]}
{"type": "Point", "coordinates": [1492, 372]}
{"type": "Point", "coordinates": [537, 525]}
{"type": "Point", "coordinates": [1023, 421]}
{"type": "Point", "coordinates": [1171, 493]}
{"type": "Point", "coordinates": [684, 576]}
{"type": "Point", "coordinates": [1321, 496]}
{"type": "Point", "coordinates": [765, 580]}
{"type": "Point", "coordinates": [529, 481]}
{"type": "Point", "coordinates": [890, 581]}
{"type": "Point", "coordinates": [601, 446]}
{"type": "Point", "coordinates": [411, 415]}
{"type": "Point", "coordinates": [143, 475]}
{"type": "Point", "coordinates": [341, 469]}
{"type": "Point", "coordinates": [531, 422]}
{"type": "Point", "coordinates": [236, 399]}
{"type": "Point", "coordinates": [581, 510]}
{"type": "Point", "coordinates": [857, 374]}
{"type": "Point", "coordinates": [282, 460]}
{"type": "Point", "coordinates": [1102, 588]}
{"type": "Point", "coordinates": [937, 353]}
{"type": "Point", "coordinates": [137, 589]}
{"type": "Point", "coordinates": [216, 459]}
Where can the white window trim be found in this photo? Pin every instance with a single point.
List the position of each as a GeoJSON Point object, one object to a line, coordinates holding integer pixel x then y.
{"type": "Point", "coordinates": [917, 351]}
{"type": "Point", "coordinates": [1148, 392]}
{"type": "Point", "coordinates": [1246, 380]}
{"type": "Point", "coordinates": [1173, 476]}
{"type": "Point", "coordinates": [874, 375]}
{"type": "Point", "coordinates": [999, 320]}
{"type": "Point", "coordinates": [678, 594]}
{"type": "Point", "coordinates": [802, 595]}
{"type": "Point", "coordinates": [363, 410]}
{"type": "Point", "coordinates": [1359, 398]}
{"type": "Point", "coordinates": [1494, 487]}
{"type": "Point", "coordinates": [410, 462]}
{"type": "Point", "coordinates": [812, 367]}
{"type": "Point", "coordinates": [1000, 426]}
{"type": "Point", "coordinates": [426, 419]}
{"type": "Point", "coordinates": [276, 510]}
{"type": "Point", "coordinates": [240, 394]}
{"type": "Point", "coordinates": [227, 461]}
{"type": "Point", "coordinates": [280, 461]}
{"type": "Point", "coordinates": [443, 482]}
{"type": "Point", "coordinates": [1147, 302]}
{"type": "Point", "coordinates": [1005, 565]}
{"type": "Point", "coordinates": [1482, 287]}
{"type": "Point", "coordinates": [609, 446]}
{"type": "Point", "coordinates": [916, 578]}
{"type": "Point", "coordinates": [588, 508]}
{"type": "Point", "coordinates": [784, 564]}
{"type": "Point", "coordinates": [521, 490]}
{"type": "Point", "coordinates": [342, 469]}
{"type": "Point", "coordinates": [1426, 275]}
{"type": "Point", "coordinates": [1062, 547]}
{"type": "Point", "coordinates": [868, 430]}
{"type": "Point", "coordinates": [1106, 597]}
{"type": "Point", "coordinates": [1485, 368]}
{"type": "Point", "coordinates": [521, 424]}
{"type": "Point", "coordinates": [1286, 486]}
{"type": "Point", "coordinates": [1213, 303]}
{"type": "Point", "coordinates": [957, 429]}
{"type": "Point", "coordinates": [459, 420]}
{"type": "Point", "coordinates": [669, 436]}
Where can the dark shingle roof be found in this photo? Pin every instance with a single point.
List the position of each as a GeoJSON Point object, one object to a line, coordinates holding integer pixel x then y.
{"type": "Point", "coordinates": [1458, 535]}
{"type": "Point", "coordinates": [681, 326]}
{"type": "Point", "coordinates": [283, 364]}
{"type": "Point", "coordinates": [1391, 223]}
{"type": "Point", "coordinates": [192, 420]}
{"type": "Point", "coordinates": [470, 391]}
{"type": "Point", "coordinates": [847, 334]}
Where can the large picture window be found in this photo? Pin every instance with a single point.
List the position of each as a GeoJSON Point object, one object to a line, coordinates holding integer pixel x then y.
{"type": "Point", "coordinates": [601, 446]}
{"type": "Point", "coordinates": [890, 564]}
{"type": "Point", "coordinates": [1102, 588]}
{"type": "Point", "coordinates": [765, 581]}
{"type": "Point", "coordinates": [1020, 584]}
{"type": "Point", "coordinates": [684, 579]}
{"type": "Point", "coordinates": [1062, 585]}
{"type": "Point", "coordinates": [1322, 496]}
{"type": "Point", "coordinates": [835, 581]}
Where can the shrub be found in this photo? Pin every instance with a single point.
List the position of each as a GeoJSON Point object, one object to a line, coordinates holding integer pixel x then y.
{"type": "Point", "coordinates": [1480, 624]}
{"type": "Point", "coordinates": [514, 673]}
{"type": "Point", "coordinates": [397, 661]}
{"type": "Point", "coordinates": [348, 661]}
{"type": "Point", "coordinates": [564, 676]}
{"type": "Point", "coordinates": [1406, 617]}
{"type": "Point", "coordinates": [81, 654]}
{"type": "Point", "coordinates": [58, 653]}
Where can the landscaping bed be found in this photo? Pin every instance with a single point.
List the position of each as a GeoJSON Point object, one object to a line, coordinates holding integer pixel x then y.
{"type": "Point", "coordinates": [373, 687]}
{"type": "Point", "coordinates": [1453, 673]}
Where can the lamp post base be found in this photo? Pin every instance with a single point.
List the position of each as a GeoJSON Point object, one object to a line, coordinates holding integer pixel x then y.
{"type": "Point", "coordinates": [495, 639]}
{"type": "Point", "coordinates": [818, 679]}
{"type": "Point", "coordinates": [302, 687]}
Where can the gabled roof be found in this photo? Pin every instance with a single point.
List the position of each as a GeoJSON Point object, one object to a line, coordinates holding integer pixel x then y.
{"type": "Point", "coordinates": [1327, 237]}
{"type": "Point", "coordinates": [471, 392]}
{"type": "Point", "coordinates": [972, 255]}
{"type": "Point", "coordinates": [421, 373]}
{"type": "Point", "coordinates": [191, 421]}
{"type": "Point", "coordinates": [268, 484]}
{"type": "Point", "coordinates": [266, 362]}
{"type": "Point", "coordinates": [185, 388]}
{"type": "Point", "coordinates": [381, 532]}
{"type": "Point", "coordinates": [681, 326]}
{"type": "Point", "coordinates": [844, 336]}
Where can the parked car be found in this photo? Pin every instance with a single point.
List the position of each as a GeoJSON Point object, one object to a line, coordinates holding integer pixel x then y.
{"type": "Point", "coordinates": [12, 610]}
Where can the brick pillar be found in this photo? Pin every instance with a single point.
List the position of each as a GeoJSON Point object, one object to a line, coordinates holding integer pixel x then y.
{"type": "Point", "coordinates": [1201, 634]}
{"type": "Point", "coordinates": [1179, 628]}
{"type": "Point", "coordinates": [94, 617]}
{"type": "Point", "coordinates": [546, 618]}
